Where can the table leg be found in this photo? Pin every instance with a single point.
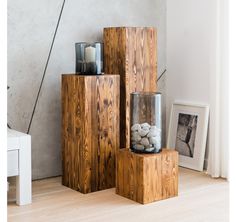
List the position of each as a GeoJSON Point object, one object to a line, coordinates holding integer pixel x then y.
{"type": "Point", "coordinates": [23, 181]}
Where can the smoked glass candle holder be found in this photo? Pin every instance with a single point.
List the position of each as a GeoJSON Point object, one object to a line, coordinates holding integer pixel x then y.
{"type": "Point", "coordinates": [145, 124]}
{"type": "Point", "coordinates": [89, 58]}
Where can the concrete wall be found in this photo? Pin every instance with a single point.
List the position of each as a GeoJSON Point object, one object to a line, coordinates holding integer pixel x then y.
{"type": "Point", "coordinates": [31, 25]}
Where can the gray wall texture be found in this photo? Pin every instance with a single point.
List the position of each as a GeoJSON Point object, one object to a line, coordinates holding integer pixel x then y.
{"type": "Point", "coordinates": [31, 28]}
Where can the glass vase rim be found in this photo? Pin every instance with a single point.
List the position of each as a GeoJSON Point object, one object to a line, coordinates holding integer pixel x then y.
{"type": "Point", "coordinates": [146, 93]}
{"type": "Point", "coordinates": [89, 43]}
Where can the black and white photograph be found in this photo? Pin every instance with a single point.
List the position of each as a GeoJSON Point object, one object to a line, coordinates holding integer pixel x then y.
{"type": "Point", "coordinates": [186, 133]}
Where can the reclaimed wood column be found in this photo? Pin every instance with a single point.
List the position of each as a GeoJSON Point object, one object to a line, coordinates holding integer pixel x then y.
{"type": "Point", "coordinates": [146, 178]}
{"type": "Point", "coordinates": [131, 52]}
{"type": "Point", "coordinates": [90, 131]}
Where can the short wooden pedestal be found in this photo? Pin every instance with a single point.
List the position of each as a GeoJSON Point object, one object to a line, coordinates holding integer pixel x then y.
{"type": "Point", "coordinates": [145, 178]}
{"type": "Point", "coordinates": [90, 131]}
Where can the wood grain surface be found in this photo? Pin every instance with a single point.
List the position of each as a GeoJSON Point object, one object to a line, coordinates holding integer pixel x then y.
{"type": "Point", "coordinates": [132, 53]}
{"type": "Point", "coordinates": [201, 199]}
{"type": "Point", "coordinates": [90, 131]}
{"type": "Point", "coordinates": [145, 178]}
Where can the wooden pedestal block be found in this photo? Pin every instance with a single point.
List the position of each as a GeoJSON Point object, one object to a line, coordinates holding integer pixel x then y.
{"type": "Point", "coordinates": [131, 53]}
{"type": "Point", "coordinates": [145, 178]}
{"type": "Point", "coordinates": [90, 131]}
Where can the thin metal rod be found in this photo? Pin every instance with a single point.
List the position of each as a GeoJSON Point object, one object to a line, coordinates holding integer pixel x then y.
{"type": "Point", "coordinates": [45, 69]}
{"type": "Point", "coordinates": [161, 75]}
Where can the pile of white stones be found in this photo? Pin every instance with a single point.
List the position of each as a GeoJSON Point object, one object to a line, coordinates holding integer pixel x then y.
{"type": "Point", "coordinates": [145, 137]}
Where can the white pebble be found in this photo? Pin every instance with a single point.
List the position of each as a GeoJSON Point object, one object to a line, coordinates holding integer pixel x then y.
{"type": "Point", "coordinates": [139, 147]}
{"type": "Point", "coordinates": [153, 133]}
{"type": "Point", "coordinates": [145, 126]}
{"type": "Point", "coordinates": [149, 149]}
{"type": "Point", "coordinates": [158, 145]}
{"type": "Point", "coordinates": [145, 141]}
{"type": "Point", "coordinates": [135, 137]}
{"type": "Point", "coordinates": [135, 133]}
{"type": "Point", "coordinates": [154, 140]}
{"type": "Point", "coordinates": [136, 127]}
{"type": "Point", "coordinates": [143, 132]}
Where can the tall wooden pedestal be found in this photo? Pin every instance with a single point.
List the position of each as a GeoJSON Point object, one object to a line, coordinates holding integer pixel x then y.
{"type": "Point", "coordinates": [90, 131]}
{"type": "Point", "coordinates": [132, 53]}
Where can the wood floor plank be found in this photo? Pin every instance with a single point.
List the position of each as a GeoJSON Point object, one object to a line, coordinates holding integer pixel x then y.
{"type": "Point", "coordinates": [201, 199]}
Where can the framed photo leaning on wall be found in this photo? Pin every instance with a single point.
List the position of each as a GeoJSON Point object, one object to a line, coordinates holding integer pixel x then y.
{"type": "Point", "coordinates": [188, 133]}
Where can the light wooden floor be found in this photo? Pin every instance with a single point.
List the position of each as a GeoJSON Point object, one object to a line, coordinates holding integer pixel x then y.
{"type": "Point", "coordinates": [201, 199]}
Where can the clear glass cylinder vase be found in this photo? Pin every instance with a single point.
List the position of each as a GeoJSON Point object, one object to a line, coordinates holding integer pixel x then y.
{"type": "Point", "coordinates": [145, 124]}
{"type": "Point", "coordinates": [89, 58]}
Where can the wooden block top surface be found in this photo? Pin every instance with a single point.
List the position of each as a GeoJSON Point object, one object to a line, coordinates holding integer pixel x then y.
{"type": "Point", "coordinates": [147, 155]}
{"type": "Point", "coordinates": [129, 27]}
{"type": "Point", "coordinates": [90, 76]}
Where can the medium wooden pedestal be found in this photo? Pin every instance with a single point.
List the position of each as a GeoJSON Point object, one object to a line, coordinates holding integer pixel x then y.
{"type": "Point", "coordinates": [90, 131]}
{"type": "Point", "coordinates": [145, 178]}
{"type": "Point", "coordinates": [132, 53]}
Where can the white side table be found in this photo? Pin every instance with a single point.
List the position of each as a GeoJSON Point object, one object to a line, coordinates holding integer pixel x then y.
{"type": "Point", "coordinates": [19, 164]}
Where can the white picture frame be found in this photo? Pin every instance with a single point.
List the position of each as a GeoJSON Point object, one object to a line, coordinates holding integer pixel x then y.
{"type": "Point", "coordinates": [188, 133]}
